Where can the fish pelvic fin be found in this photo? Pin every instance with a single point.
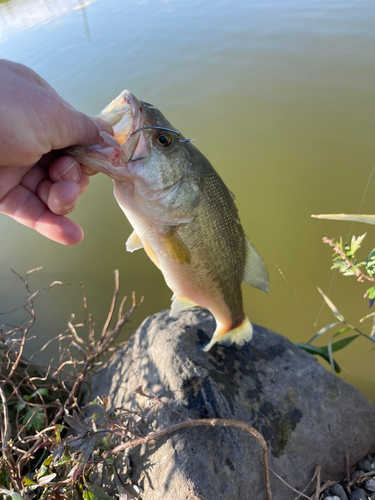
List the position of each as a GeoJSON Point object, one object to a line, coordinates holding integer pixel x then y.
{"type": "Point", "coordinates": [255, 272]}
{"type": "Point", "coordinates": [239, 336]}
{"type": "Point", "coordinates": [133, 243]}
{"type": "Point", "coordinates": [151, 255]}
{"type": "Point", "coordinates": [175, 247]}
{"type": "Point", "coordinates": [180, 304]}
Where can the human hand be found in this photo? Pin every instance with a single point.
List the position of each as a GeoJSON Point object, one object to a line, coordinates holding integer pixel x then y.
{"type": "Point", "coordinates": [38, 184]}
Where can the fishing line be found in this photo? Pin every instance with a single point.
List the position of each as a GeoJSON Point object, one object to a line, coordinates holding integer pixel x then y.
{"type": "Point", "coordinates": [162, 128]}
{"type": "Point", "coordinates": [347, 238]}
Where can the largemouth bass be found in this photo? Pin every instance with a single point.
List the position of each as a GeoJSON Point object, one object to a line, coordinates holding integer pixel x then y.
{"type": "Point", "coordinates": [182, 214]}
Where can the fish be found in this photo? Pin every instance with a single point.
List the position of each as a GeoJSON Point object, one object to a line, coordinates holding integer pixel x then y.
{"type": "Point", "coordinates": [182, 214]}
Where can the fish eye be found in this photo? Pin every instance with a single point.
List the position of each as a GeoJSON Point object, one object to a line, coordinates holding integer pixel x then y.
{"type": "Point", "coordinates": [164, 140]}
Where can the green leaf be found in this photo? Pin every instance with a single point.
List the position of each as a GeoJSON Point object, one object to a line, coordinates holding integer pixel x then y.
{"type": "Point", "coordinates": [366, 219]}
{"type": "Point", "coordinates": [318, 351]}
{"type": "Point", "coordinates": [332, 306]}
{"type": "Point", "coordinates": [4, 478]}
{"type": "Point", "coordinates": [26, 481]}
{"type": "Point", "coordinates": [47, 462]}
{"type": "Point", "coordinates": [340, 344]}
{"type": "Point", "coordinates": [351, 271]}
{"type": "Point", "coordinates": [42, 392]}
{"type": "Point", "coordinates": [64, 461]}
{"type": "Point", "coordinates": [330, 356]}
{"type": "Point", "coordinates": [45, 467]}
{"type": "Point", "coordinates": [95, 493]}
{"type": "Point", "coordinates": [343, 330]}
{"type": "Point", "coordinates": [35, 419]}
{"type": "Point", "coordinates": [323, 330]}
{"type": "Point", "coordinates": [356, 243]}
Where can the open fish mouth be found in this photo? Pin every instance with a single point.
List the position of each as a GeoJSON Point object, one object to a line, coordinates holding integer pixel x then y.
{"type": "Point", "coordinates": [126, 116]}
{"type": "Point", "coordinates": [123, 114]}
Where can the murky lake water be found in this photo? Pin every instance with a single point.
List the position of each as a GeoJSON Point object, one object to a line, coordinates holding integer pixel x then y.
{"type": "Point", "coordinates": [279, 95]}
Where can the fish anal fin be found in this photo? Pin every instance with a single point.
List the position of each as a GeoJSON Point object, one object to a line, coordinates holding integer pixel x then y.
{"type": "Point", "coordinates": [255, 272]}
{"type": "Point", "coordinates": [133, 243]}
{"type": "Point", "coordinates": [175, 247]}
{"type": "Point", "coordinates": [180, 304]}
{"type": "Point", "coordinates": [238, 336]}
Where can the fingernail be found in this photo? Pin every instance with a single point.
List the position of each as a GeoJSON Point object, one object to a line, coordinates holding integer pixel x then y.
{"type": "Point", "coordinates": [72, 173]}
{"type": "Point", "coordinates": [70, 208]}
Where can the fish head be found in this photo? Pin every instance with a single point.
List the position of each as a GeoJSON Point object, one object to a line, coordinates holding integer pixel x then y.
{"type": "Point", "coordinates": [156, 170]}
{"type": "Point", "coordinates": [164, 169]}
{"type": "Point", "coordinates": [143, 140]}
{"type": "Point", "coordinates": [163, 156]}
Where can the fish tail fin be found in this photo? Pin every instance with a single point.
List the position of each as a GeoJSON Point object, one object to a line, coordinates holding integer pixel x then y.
{"type": "Point", "coordinates": [238, 336]}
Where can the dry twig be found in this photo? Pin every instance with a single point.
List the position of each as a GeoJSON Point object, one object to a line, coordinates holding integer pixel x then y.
{"type": "Point", "coordinates": [21, 381]}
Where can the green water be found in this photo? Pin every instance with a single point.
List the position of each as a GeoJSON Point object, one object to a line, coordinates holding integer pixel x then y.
{"type": "Point", "coordinates": [279, 95]}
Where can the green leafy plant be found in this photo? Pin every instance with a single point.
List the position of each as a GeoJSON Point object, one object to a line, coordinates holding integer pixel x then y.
{"type": "Point", "coordinates": [345, 261]}
{"type": "Point", "coordinates": [326, 352]}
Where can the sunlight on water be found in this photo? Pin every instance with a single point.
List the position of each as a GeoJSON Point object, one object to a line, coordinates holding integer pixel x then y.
{"type": "Point", "coordinates": [278, 95]}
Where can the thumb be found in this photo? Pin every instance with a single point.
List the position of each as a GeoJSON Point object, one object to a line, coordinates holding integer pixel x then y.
{"type": "Point", "coordinates": [82, 130]}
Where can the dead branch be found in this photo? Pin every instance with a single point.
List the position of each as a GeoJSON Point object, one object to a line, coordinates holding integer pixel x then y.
{"type": "Point", "coordinates": [5, 427]}
{"type": "Point", "coordinates": [112, 307]}
{"type": "Point", "coordinates": [22, 377]}
{"type": "Point", "coordinates": [347, 467]}
{"type": "Point", "coordinates": [310, 482]}
{"type": "Point", "coordinates": [318, 482]}
{"type": "Point", "coordinates": [300, 494]}
{"type": "Point", "coordinates": [361, 478]}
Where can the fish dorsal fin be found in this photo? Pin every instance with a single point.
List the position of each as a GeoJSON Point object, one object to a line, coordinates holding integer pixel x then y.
{"type": "Point", "coordinates": [255, 272]}
{"type": "Point", "coordinates": [175, 247]}
{"type": "Point", "coordinates": [180, 304]}
{"type": "Point", "coordinates": [133, 242]}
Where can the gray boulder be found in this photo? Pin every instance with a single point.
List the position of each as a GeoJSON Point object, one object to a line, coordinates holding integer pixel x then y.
{"type": "Point", "coordinates": [307, 417]}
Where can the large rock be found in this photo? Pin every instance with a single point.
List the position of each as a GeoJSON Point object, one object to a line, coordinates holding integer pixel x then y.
{"type": "Point", "coordinates": [307, 417]}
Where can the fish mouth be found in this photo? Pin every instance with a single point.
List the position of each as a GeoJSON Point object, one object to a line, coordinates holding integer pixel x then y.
{"type": "Point", "coordinates": [123, 113]}
{"type": "Point", "coordinates": [126, 115]}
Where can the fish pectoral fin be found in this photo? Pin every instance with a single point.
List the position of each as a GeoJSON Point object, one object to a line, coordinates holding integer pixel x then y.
{"type": "Point", "coordinates": [255, 272]}
{"type": "Point", "coordinates": [180, 304]}
{"type": "Point", "coordinates": [175, 247]}
{"type": "Point", "coordinates": [239, 336]}
{"type": "Point", "coordinates": [133, 243]}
